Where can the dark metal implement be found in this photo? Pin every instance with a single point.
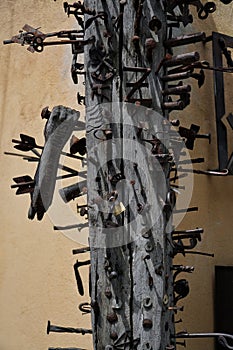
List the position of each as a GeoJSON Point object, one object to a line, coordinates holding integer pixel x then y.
{"type": "Point", "coordinates": [59, 329]}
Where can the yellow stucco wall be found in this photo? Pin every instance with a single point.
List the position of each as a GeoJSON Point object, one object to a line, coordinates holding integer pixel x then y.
{"type": "Point", "coordinates": [36, 275]}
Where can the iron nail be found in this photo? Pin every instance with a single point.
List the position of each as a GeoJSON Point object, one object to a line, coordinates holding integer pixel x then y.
{"type": "Point", "coordinates": [147, 323]}
{"type": "Point", "coordinates": [174, 105]}
{"type": "Point", "coordinates": [185, 39]}
{"type": "Point", "coordinates": [80, 250]}
{"type": "Point", "coordinates": [178, 90]}
{"type": "Point", "coordinates": [182, 59]}
{"type": "Point", "coordinates": [59, 329]}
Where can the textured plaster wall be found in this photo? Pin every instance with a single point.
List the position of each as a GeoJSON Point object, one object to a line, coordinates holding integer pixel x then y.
{"type": "Point", "coordinates": [36, 275]}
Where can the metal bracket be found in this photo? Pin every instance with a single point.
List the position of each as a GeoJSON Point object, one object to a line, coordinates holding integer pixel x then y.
{"type": "Point", "coordinates": [220, 111]}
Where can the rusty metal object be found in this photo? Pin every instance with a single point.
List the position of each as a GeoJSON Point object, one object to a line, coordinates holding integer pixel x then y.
{"type": "Point", "coordinates": [78, 145]}
{"type": "Point", "coordinates": [176, 308]}
{"type": "Point", "coordinates": [178, 90]}
{"type": "Point", "coordinates": [59, 329]}
{"type": "Point", "coordinates": [114, 335]}
{"type": "Point", "coordinates": [73, 191]}
{"type": "Point", "coordinates": [97, 89]}
{"type": "Point", "coordinates": [24, 184]}
{"type": "Point", "coordinates": [81, 250]}
{"type": "Point", "coordinates": [81, 99]}
{"type": "Point", "coordinates": [106, 132]}
{"type": "Point", "coordinates": [221, 337]}
{"type": "Point", "coordinates": [182, 59]}
{"type": "Point", "coordinates": [77, 274]}
{"type": "Point", "coordinates": [45, 113]}
{"type": "Point", "coordinates": [78, 8]}
{"type": "Point", "coordinates": [85, 308]}
{"type": "Point", "coordinates": [102, 15]}
{"type": "Point", "coordinates": [185, 39]}
{"type": "Point", "coordinates": [174, 105]}
{"type": "Point", "coordinates": [147, 323]}
{"type": "Point", "coordinates": [181, 288]}
{"type": "Point", "coordinates": [138, 84]}
{"type": "Point", "coordinates": [108, 293]}
{"type": "Point", "coordinates": [155, 24]}
{"type": "Point", "coordinates": [200, 77]}
{"type": "Point", "coordinates": [185, 19]}
{"type": "Point", "coordinates": [112, 317]}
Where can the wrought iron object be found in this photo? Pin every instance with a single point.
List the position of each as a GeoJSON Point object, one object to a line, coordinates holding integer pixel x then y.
{"type": "Point", "coordinates": [185, 40]}
{"type": "Point", "coordinates": [177, 90]}
{"type": "Point", "coordinates": [106, 132]}
{"type": "Point", "coordinates": [70, 227]}
{"type": "Point", "coordinates": [185, 19]}
{"type": "Point", "coordinates": [81, 99]}
{"type": "Point", "coordinates": [78, 8]}
{"type": "Point", "coordinates": [181, 287]}
{"type": "Point", "coordinates": [202, 10]}
{"type": "Point", "coordinates": [77, 275]}
{"type": "Point", "coordinates": [77, 68]}
{"type": "Point", "coordinates": [192, 134]}
{"type": "Point", "coordinates": [200, 77]}
{"type": "Point", "coordinates": [78, 145]}
{"type": "Point", "coordinates": [73, 191]}
{"type": "Point", "coordinates": [182, 59]}
{"type": "Point", "coordinates": [178, 211]}
{"type": "Point", "coordinates": [221, 337]}
{"type": "Point", "coordinates": [102, 15]}
{"type": "Point", "coordinates": [220, 109]}
{"type": "Point", "coordinates": [180, 268]}
{"type": "Point", "coordinates": [81, 250]}
{"type": "Point", "coordinates": [28, 143]}
{"type": "Point", "coordinates": [35, 38]}
{"type": "Point", "coordinates": [138, 84]}
{"type": "Point", "coordinates": [223, 172]}
{"type": "Point", "coordinates": [66, 348]}
{"type": "Point", "coordinates": [85, 308]}
{"type": "Point", "coordinates": [24, 184]}
{"type": "Point", "coordinates": [97, 89]}
{"type": "Point", "coordinates": [59, 329]}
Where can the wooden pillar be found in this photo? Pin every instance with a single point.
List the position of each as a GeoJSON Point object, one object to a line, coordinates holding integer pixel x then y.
{"type": "Point", "coordinates": [131, 280]}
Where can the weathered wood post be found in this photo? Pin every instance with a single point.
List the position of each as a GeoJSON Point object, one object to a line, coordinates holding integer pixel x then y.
{"type": "Point", "coordinates": [131, 279]}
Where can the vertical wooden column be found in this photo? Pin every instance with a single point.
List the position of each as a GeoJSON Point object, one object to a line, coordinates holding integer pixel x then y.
{"type": "Point", "coordinates": [131, 278]}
